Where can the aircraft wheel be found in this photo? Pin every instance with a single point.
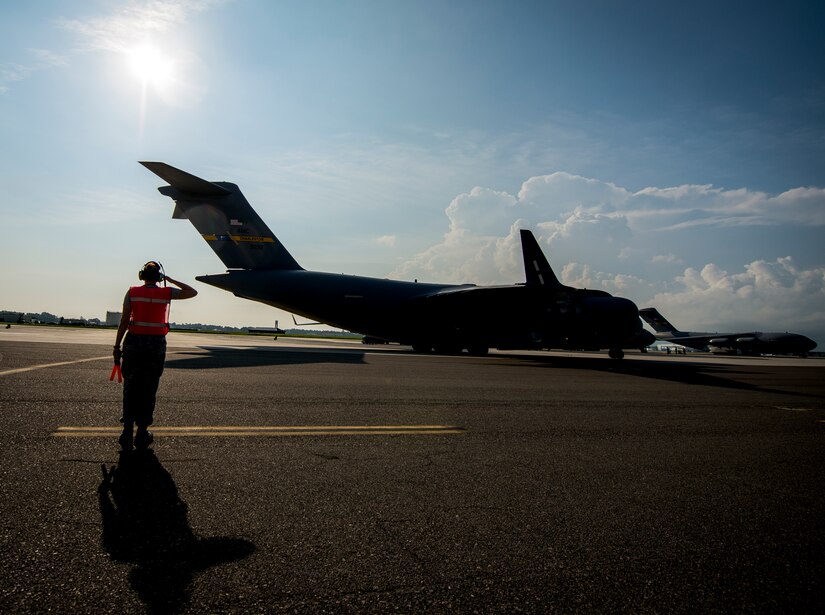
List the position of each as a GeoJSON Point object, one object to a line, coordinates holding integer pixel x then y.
{"type": "Point", "coordinates": [616, 353]}
{"type": "Point", "coordinates": [422, 348]}
{"type": "Point", "coordinates": [447, 349]}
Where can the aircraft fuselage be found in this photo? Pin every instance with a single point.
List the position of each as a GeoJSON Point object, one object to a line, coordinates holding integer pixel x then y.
{"type": "Point", "coordinates": [757, 343]}
{"type": "Point", "coordinates": [463, 316]}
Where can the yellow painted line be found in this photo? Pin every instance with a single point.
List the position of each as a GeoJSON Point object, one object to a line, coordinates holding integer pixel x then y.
{"type": "Point", "coordinates": [267, 430]}
{"type": "Point", "coordinates": [32, 368]}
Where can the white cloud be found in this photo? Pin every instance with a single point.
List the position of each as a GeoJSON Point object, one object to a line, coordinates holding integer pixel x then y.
{"type": "Point", "coordinates": [386, 240]}
{"type": "Point", "coordinates": [687, 206]}
{"type": "Point", "coordinates": [46, 58]}
{"type": "Point", "coordinates": [133, 23]}
{"type": "Point", "coordinates": [481, 211]}
{"type": "Point", "coordinates": [565, 192]}
{"type": "Point", "coordinates": [599, 235]}
{"type": "Point", "coordinates": [42, 59]}
{"type": "Point", "coordinates": [773, 294]}
{"type": "Point", "coordinates": [667, 259]}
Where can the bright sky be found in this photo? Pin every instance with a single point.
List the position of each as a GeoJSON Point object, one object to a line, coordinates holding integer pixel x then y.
{"type": "Point", "coordinates": [671, 153]}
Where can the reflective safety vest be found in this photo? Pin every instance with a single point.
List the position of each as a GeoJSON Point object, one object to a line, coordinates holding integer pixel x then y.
{"type": "Point", "coordinates": [150, 310]}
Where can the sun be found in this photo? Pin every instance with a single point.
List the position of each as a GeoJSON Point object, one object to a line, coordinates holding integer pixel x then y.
{"type": "Point", "coordinates": [151, 66]}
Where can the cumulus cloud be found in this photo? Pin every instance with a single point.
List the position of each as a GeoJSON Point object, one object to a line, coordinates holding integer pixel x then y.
{"type": "Point", "coordinates": [481, 211]}
{"type": "Point", "coordinates": [767, 293]}
{"type": "Point", "coordinates": [565, 192]}
{"type": "Point", "coordinates": [600, 235]}
{"type": "Point", "coordinates": [464, 256]}
{"type": "Point", "coordinates": [386, 240]}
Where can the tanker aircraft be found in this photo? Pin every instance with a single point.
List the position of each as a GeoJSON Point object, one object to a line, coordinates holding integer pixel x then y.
{"type": "Point", "coordinates": [746, 343]}
{"type": "Point", "coordinates": [541, 313]}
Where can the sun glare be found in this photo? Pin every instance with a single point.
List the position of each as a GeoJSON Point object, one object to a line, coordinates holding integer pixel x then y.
{"type": "Point", "coordinates": [155, 70]}
{"type": "Point", "coordinates": [151, 66]}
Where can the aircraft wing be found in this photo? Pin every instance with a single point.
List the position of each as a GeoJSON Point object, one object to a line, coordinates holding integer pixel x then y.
{"type": "Point", "coordinates": [719, 340]}
{"type": "Point", "coordinates": [464, 291]}
{"type": "Point", "coordinates": [470, 302]}
{"type": "Point", "coordinates": [699, 342]}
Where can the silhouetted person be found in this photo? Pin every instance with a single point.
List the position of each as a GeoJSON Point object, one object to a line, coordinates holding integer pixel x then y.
{"type": "Point", "coordinates": [145, 523]}
{"type": "Point", "coordinates": [146, 317]}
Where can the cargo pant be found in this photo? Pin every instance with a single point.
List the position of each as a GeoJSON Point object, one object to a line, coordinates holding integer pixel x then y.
{"type": "Point", "coordinates": [142, 366]}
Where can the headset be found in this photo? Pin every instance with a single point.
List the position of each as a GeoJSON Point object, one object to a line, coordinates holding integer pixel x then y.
{"type": "Point", "coordinates": [153, 272]}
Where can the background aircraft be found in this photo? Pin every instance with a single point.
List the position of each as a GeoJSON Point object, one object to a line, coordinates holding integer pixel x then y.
{"type": "Point", "coordinates": [749, 343]}
{"type": "Point", "coordinates": [541, 313]}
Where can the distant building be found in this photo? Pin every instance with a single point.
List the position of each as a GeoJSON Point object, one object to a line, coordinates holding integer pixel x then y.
{"type": "Point", "coordinates": [113, 318]}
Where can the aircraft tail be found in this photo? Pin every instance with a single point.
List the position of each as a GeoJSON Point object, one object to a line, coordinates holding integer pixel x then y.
{"type": "Point", "coordinates": [537, 270]}
{"type": "Point", "coordinates": [659, 323]}
{"type": "Point", "coordinates": [225, 219]}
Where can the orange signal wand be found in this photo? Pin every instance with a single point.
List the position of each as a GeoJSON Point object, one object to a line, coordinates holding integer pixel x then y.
{"type": "Point", "coordinates": [116, 372]}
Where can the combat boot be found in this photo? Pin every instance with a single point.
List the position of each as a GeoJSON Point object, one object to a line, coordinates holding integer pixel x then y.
{"type": "Point", "coordinates": [143, 438]}
{"type": "Point", "coordinates": [126, 438]}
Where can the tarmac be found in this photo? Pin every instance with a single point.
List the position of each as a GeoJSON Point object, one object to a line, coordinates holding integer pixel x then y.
{"type": "Point", "coordinates": [307, 476]}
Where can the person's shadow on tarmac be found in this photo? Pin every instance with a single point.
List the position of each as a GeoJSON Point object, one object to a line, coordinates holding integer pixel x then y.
{"type": "Point", "coordinates": [145, 523]}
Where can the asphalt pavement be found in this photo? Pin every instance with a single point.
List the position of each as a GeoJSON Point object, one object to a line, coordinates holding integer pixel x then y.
{"type": "Point", "coordinates": [328, 476]}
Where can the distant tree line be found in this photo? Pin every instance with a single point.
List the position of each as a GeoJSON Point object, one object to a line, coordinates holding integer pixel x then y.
{"type": "Point", "coordinates": [42, 317]}
{"type": "Point", "coordinates": [47, 318]}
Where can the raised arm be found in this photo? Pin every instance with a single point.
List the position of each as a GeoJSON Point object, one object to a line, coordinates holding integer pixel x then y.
{"type": "Point", "coordinates": [186, 291]}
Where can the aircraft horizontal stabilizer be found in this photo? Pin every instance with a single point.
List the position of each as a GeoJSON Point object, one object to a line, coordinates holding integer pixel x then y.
{"type": "Point", "coordinates": [183, 181]}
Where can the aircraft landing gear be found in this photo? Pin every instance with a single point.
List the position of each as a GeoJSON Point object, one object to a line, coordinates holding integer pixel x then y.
{"type": "Point", "coordinates": [447, 348]}
{"type": "Point", "coordinates": [616, 353]}
{"type": "Point", "coordinates": [478, 351]}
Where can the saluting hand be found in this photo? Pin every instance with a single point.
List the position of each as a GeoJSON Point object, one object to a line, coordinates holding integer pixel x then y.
{"type": "Point", "coordinates": [187, 291]}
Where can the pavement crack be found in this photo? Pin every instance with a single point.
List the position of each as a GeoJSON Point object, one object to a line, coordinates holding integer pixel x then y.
{"type": "Point", "coordinates": [394, 538]}
{"type": "Point", "coordinates": [326, 456]}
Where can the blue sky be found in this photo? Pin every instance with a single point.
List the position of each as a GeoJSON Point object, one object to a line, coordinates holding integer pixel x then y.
{"type": "Point", "coordinates": [668, 153]}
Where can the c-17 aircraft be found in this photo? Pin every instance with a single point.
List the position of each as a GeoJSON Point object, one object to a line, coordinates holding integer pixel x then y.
{"type": "Point", "coordinates": [747, 343]}
{"type": "Point", "coordinates": [540, 313]}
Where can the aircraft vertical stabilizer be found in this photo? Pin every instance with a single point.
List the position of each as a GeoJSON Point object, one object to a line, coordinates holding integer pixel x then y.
{"type": "Point", "coordinates": [225, 219]}
{"type": "Point", "coordinates": [659, 323]}
{"type": "Point", "coordinates": [536, 268]}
